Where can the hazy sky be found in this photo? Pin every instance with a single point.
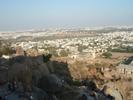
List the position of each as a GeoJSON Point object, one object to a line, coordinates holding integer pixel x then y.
{"type": "Point", "coordinates": [27, 14]}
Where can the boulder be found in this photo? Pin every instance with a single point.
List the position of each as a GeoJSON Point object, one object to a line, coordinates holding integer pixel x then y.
{"type": "Point", "coordinates": [115, 93]}
{"type": "Point", "coordinates": [50, 83]}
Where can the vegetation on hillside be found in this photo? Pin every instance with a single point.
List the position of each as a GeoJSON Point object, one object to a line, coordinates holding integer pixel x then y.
{"type": "Point", "coordinates": [107, 54]}
{"type": "Point", "coordinates": [127, 49]}
{"type": "Point", "coordinates": [5, 48]}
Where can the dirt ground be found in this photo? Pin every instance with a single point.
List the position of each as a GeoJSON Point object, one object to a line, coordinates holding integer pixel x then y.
{"type": "Point", "coordinates": [121, 55]}
{"type": "Point", "coordinates": [116, 58]}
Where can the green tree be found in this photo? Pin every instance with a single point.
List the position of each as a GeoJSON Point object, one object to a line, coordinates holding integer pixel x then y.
{"type": "Point", "coordinates": [80, 48]}
{"type": "Point", "coordinates": [5, 48]}
{"type": "Point", "coordinates": [64, 53]}
{"type": "Point", "coordinates": [107, 54]}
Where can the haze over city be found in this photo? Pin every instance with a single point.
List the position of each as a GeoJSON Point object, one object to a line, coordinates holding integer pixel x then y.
{"type": "Point", "coordinates": [66, 50]}
{"type": "Point", "coordinates": [38, 14]}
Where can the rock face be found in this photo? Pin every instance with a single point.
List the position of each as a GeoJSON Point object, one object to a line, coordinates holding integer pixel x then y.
{"type": "Point", "coordinates": [50, 80]}
{"type": "Point", "coordinates": [115, 93]}
{"type": "Point", "coordinates": [19, 51]}
{"type": "Point", "coordinates": [3, 74]}
{"type": "Point", "coordinates": [50, 84]}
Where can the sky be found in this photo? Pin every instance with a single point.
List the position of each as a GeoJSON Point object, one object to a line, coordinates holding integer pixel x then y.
{"type": "Point", "coordinates": [38, 14]}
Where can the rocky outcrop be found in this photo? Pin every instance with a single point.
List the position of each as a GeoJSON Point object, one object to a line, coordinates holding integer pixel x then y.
{"type": "Point", "coordinates": [50, 83]}
{"type": "Point", "coordinates": [42, 79]}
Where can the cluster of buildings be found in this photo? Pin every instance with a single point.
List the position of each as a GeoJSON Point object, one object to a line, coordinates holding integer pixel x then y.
{"type": "Point", "coordinates": [90, 46]}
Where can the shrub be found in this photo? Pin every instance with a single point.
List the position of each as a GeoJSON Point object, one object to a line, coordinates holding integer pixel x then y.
{"type": "Point", "coordinates": [107, 55]}
{"type": "Point", "coordinates": [5, 49]}
{"type": "Point", "coordinates": [64, 53]}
